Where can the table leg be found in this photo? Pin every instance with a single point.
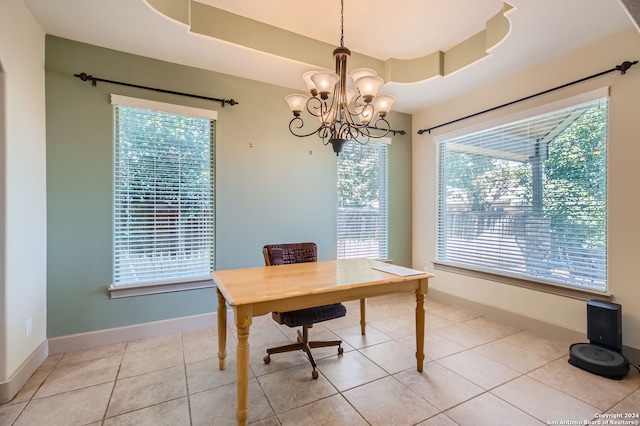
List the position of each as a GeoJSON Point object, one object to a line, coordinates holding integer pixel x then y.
{"type": "Point", "coordinates": [363, 314]}
{"type": "Point", "coordinates": [243, 322]}
{"type": "Point", "coordinates": [419, 329]}
{"type": "Point", "coordinates": [222, 331]}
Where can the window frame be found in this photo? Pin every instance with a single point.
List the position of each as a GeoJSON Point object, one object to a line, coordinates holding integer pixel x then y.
{"type": "Point", "coordinates": [160, 286]}
{"type": "Point", "coordinates": [499, 276]}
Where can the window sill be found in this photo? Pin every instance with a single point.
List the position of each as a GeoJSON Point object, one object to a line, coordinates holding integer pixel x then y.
{"type": "Point", "coordinates": [117, 292]}
{"type": "Point", "coordinates": [557, 289]}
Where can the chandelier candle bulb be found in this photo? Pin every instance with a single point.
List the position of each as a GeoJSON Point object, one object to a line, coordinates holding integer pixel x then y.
{"type": "Point", "coordinates": [325, 82]}
{"type": "Point", "coordinates": [296, 103]}
{"type": "Point", "coordinates": [382, 104]}
{"type": "Point", "coordinates": [368, 86]}
{"type": "Point", "coordinates": [307, 79]}
{"type": "Point", "coordinates": [362, 72]}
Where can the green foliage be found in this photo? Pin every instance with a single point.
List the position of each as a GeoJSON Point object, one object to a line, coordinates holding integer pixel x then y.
{"type": "Point", "coordinates": [359, 175]}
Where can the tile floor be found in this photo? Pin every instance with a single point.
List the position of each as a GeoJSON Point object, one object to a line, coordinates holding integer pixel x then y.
{"type": "Point", "coordinates": [478, 372]}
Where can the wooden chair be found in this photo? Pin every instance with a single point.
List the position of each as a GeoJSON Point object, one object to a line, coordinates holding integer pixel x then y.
{"type": "Point", "coordinates": [282, 254]}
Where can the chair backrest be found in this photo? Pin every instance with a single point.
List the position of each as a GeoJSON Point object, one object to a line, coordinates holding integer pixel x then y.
{"type": "Point", "coordinates": [283, 254]}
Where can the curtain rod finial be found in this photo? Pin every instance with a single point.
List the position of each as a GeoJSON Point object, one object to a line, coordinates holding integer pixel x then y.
{"type": "Point", "coordinates": [623, 67]}
{"type": "Point", "coordinates": [84, 77]}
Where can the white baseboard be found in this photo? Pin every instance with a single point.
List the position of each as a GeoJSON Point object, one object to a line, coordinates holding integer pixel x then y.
{"type": "Point", "coordinates": [525, 323]}
{"type": "Point", "coordinates": [10, 388]}
{"type": "Point", "coordinates": [92, 339]}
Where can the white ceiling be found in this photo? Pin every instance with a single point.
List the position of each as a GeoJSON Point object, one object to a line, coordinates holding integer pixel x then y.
{"type": "Point", "coordinates": [404, 29]}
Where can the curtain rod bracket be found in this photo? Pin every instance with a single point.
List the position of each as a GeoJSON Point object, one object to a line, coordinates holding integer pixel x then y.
{"type": "Point", "coordinates": [623, 67]}
{"type": "Point", "coordinates": [94, 82]}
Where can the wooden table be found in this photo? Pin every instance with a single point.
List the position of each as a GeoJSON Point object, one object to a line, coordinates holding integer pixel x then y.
{"type": "Point", "coordinates": [257, 291]}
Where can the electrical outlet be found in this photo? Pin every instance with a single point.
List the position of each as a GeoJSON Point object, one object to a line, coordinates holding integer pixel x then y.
{"type": "Point", "coordinates": [29, 327]}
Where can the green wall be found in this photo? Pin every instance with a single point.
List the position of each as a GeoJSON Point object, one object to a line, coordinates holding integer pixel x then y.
{"type": "Point", "coordinates": [270, 186]}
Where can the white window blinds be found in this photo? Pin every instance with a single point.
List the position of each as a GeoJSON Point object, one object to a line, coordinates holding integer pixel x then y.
{"type": "Point", "coordinates": [163, 196]}
{"type": "Point", "coordinates": [529, 198]}
{"type": "Point", "coordinates": [362, 201]}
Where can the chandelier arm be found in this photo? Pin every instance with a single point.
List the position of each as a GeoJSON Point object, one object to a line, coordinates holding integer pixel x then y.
{"type": "Point", "coordinates": [293, 126]}
{"type": "Point", "coordinates": [310, 104]}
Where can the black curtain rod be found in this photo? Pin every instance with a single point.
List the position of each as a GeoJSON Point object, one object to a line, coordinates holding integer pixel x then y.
{"type": "Point", "coordinates": [84, 77]}
{"type": "Point", "coordinates": [623, 67]}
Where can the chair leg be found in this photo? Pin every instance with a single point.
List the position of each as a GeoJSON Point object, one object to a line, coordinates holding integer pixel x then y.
{"type": "Point", "coordinates": [305, 345]}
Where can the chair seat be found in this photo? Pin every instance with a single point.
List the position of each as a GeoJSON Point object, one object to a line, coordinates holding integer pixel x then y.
{"type": "Point", "coordinates": [310, 315]}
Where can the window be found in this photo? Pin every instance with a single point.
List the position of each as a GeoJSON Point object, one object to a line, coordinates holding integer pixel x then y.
{"type": "Point", "coordinates": [163, 193]}
{"type": "Point", "coordinates": [362, 201]}
{"type": "Point", "coordinates": [528, 199]}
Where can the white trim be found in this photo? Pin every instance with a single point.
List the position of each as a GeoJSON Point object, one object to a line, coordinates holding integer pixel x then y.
{"type": "Point", "coordinates": [119, 291]}
{"type": "Point", "coordinates": [592, 95]}
{"type": "Point", "coordinates": [92, 339]}
{"type": "Point", "coordinates": [162, 106]}
{"type": "Point", "coordinates": [10, 388]}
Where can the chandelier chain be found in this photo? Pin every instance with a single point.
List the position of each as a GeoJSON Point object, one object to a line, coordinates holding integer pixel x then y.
{"type": "Point", "coordinates": [341, 23]}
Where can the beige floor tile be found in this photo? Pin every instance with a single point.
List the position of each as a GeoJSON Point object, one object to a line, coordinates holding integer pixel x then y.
{"type": "Point", "coordinates": [349, 320]}
{"type": "Point", "coordinates": [294, 387]}
{"type": "Point", "coordinates": [544, 402]}
{"type": "Point", "coordinates": [491, 328]}
{"type": "Point", "coordinates": [440, 386]}
{"type": "Point", "coordinates": [462, 334]}
{"type": "Point", "coordinates": [200, 334]}
{"type": "Point", "coordinates": [350, 370]}
{"type": "Point", "coordinates": [205, 375]}
{"type": "Point", "coordinates": [198, 350]}
{"type": "Point", "coordinates": [93, 353]}
{"type": "Point", "coordinates": [218, 406]}
{"type": "Point", "coordinates": [374, 402]}
{"type": "Point", "coordinates": [438, 420]}
{"type": "Point", "coordinates": [434, 322]}
{"type": "Point", "coordinates": [453, 314]}
{"type": "Point", "coordinates": [629, 405]}
{"type": "Point", "coordinates": [353, 336]}
{"type": "Point", "coordinates": [170, 413]}
{"type": "Point", "coordinates": [203, 344]}
{"type": "Point", "coordinates": [80, 375]}
{"type": "Point", "coordinates": [151, 359]}
{"type": "Point", "coordinates": [396, 327]}
{"type": "Point", "coordinates": [149, 389]}
{"type": "Point", "coordinates": [515, 357]}
{"type": "Point", "coordinates": [435, 346]}
{"type": "Point", "coordinates": [30, 388]}
{"type": "Point", "coordinates": [269, 421]}
{"type": "Point", "coordinates": [153, 342]}
{"type": "Point", "coordinates": [432, 304]}
{"type": "Point", "coordinates": [595, 390]}
{"type": "Point", "coordinates": [77, 407]}
{"type": "Point", "coordinates": [334, 410]}
{"type": "Point", "coordinates": [479, 369]}
{"type": "Point", "coordinates": [10, 412]}
{"type": "Point", "coordinates": [392, 356]}
{"type": "Point", "coordinates": [50, 362]}
{"type": "Point", "coordinates": [549, 349]}
{"type": "Point", "coordinates": [487, 409]}
{"type": "Point", "coordinates": [270, 335]}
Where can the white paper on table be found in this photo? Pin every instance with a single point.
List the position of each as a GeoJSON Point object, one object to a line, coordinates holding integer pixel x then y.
{"type": "Point", "coordinates": [398, 270]}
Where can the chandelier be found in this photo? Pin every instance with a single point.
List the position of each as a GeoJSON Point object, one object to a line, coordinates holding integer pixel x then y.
{"type": "Point", "coordinates": [332, 93]}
